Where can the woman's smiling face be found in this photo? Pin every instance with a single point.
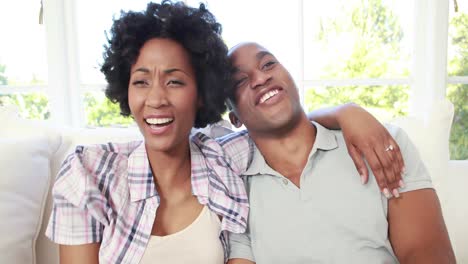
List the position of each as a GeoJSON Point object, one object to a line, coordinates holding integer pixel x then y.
{"type": "Point", "coordinates": [162, 94]}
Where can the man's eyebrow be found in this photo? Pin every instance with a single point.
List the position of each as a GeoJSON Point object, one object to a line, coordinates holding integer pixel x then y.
{"type": "Point", "coordinates": [262, 54]}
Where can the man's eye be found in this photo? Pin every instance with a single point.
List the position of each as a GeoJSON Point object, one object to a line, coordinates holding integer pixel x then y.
{"type": "Point", "coordinates": [269, 64]}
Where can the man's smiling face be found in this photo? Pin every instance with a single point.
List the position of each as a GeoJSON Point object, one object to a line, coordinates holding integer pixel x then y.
{"type": "Point", "coordinates": [265, 93]}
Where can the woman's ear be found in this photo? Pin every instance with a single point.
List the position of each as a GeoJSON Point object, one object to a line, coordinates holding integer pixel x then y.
{"type": "Point", "coordinates": [234, 120]}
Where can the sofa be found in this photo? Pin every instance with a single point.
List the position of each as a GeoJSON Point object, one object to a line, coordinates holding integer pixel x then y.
{"type": "Point", "coordinates": [32, 151]}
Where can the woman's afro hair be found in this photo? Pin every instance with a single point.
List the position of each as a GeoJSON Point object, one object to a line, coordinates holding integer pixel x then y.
{"type": "Point", "coordinates": [195, 29]}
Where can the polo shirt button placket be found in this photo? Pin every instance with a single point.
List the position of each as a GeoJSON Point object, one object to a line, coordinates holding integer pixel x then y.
{"type": "Point", "coordinates": [285, 181]}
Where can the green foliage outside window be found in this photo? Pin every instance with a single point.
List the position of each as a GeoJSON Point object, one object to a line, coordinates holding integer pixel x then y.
{"type": "Point", "coordinates": [458, 93]}
{"type": "Point", "coordinates": [377, 35]}
{"type": "Point", "coordinates": [385, 102]}
{"type": "Point", "coordinates": [30, 105]}
{"type": "Point", "coordinates": [3, 78]}
{"type": "Point", "coordinates": [101, 112]}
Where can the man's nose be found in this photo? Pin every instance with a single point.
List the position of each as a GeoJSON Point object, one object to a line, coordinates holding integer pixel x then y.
{"type": "Point", "coordinates": [260, 78]}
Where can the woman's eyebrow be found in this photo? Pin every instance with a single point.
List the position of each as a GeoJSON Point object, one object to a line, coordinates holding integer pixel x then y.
{"type": "Point", "coordinates": [144, 70]}
{"type": "Point", "coordinates": [167, 71]}
{"type": "Point", "coordinates": [171, 70]}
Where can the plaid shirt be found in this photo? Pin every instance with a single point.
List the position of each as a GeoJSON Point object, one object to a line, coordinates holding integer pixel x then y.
{"type": "Point", "coordinates": [106, 194]}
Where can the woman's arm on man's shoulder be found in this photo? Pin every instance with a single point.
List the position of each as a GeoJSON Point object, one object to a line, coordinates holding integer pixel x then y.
{"type": "Point", "coordinates": [367, 138]}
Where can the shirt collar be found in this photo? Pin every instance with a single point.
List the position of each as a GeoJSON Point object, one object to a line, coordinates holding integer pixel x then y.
{"type": "Point", "coordinates": [325, 140]}
{"type": "Point", "coordinates": [200, 173]}
{"type": "Point", "coordinates": [140, 178]}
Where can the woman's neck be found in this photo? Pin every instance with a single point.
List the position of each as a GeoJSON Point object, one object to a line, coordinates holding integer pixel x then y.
{"type": "Point", "coordinates": [172, 169]}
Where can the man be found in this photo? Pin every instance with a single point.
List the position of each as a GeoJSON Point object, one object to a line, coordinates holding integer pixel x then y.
{"type": "Point", "coordinates": [304, 205]}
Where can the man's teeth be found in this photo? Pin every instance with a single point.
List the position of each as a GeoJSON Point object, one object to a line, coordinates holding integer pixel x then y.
{"type": "Point", "coordinates": [268, 95]}
{"type": "Point", "coordinates": [158, 121]}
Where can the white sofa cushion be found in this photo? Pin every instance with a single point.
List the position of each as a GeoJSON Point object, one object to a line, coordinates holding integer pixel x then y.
{"type": "Point", "coordinates": [25, 151]}
{"type": "Point", "coordinates": [24, 167]}
{"type": "Point", "coordinates": [430, 134]}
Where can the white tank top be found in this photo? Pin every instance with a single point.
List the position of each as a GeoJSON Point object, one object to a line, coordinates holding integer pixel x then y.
{"type": "Point", "coordinates": [197, 243]}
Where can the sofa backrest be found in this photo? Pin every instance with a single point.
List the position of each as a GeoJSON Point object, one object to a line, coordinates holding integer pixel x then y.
{"type": "Point", "coordinates": [49, 144]}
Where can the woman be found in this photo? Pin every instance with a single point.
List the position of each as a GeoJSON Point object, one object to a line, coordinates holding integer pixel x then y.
{"type": "Point", "coordinates": [149, 201]}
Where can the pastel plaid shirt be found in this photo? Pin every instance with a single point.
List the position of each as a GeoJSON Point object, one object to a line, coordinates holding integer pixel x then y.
{"type": "Point", "coordinates": [106, 193]}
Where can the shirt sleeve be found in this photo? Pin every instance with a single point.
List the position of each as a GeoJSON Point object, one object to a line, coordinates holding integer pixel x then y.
{"type": "Point", "coordinates": [78, 215]}
{"type": "Point", "coordinates": [417, 176]}
{"type": "Point", "coordinates": [240, 246]}
{"type": "Point", "coordinates": [233, 151]}
{"type": "Point", "coordinates": [238, 149]}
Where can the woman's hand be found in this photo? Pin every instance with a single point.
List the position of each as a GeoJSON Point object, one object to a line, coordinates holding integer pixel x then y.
{"type": "Point", "coordinates": [366, 136]}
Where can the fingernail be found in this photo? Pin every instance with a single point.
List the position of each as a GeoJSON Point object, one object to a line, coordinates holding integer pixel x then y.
{"type": "Point", "coordinates": [387, 193]}
{"type": "Point", "coordinates": [396, 193]}
{"type": "Point", "coordinates": [401, 183]}
{"type": "Point", "coordinates": [363, 172]}
{"type": "Point", "coordinates": [403, 169]}
{"type": "Point", "coordinates": [363, 179]}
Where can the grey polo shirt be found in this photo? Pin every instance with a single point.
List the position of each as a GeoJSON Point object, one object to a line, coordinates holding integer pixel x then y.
{"type": "Point", "coordinates": [332, 218]}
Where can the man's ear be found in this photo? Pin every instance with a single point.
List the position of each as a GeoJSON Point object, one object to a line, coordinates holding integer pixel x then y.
{"type": "Point", "coordinates": [234, 120]}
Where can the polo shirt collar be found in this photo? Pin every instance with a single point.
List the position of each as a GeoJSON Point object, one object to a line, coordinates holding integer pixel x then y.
{"type": "Point", "coordinates": [325, 140]}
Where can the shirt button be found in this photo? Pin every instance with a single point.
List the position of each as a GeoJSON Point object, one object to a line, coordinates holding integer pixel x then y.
{"type": "Point", "coordinates": [285, 181]}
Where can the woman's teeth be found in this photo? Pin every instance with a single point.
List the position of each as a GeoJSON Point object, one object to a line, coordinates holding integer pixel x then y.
{"type": "Point", "coordinates": [159, 121]}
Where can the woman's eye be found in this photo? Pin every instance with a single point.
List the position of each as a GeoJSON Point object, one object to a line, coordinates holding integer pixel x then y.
{"type": "Point", "coordinates": [175, 82]}
{"type": "Point", "coordinates": [139, 83]}
{"type": "Point", "coordinates": [240, 82]}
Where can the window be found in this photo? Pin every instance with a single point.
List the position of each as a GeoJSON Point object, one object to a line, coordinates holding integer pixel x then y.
{"type": "Point", "coordinates": [93, 19]}
{"type": "Point", "coordinates": [308, 37]}
{"type": "Point", "coordinates": [377, 53]}
{"type": "Point", "coordinates": [346, 39]}
{"type": "Point", "coordinates": [457, 89]}
{"type": "Point", "coordinates": [273, 24]}
{"type": "Point", "coordinates": [23, 59]}
{"type": "Point", "coordinates": [358, 51]}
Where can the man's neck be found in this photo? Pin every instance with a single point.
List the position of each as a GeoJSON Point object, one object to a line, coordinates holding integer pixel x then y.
{"type": "Point", "coordinates": [288, 152]}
